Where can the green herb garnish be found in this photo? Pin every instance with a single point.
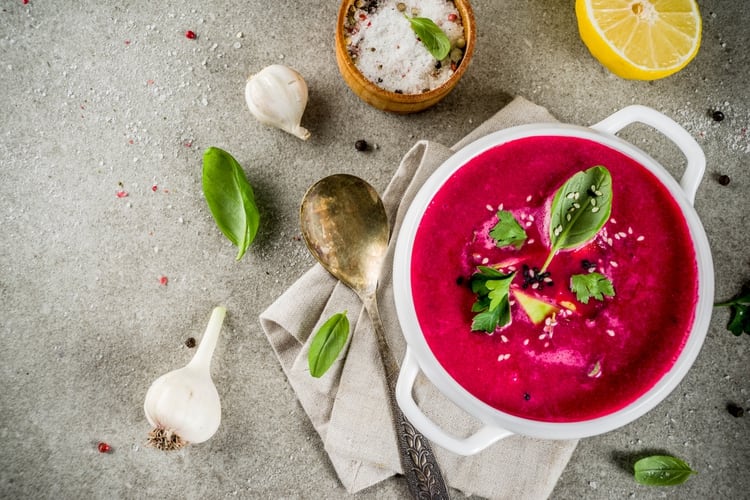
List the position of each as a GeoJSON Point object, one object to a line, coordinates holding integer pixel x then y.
{"type": "Point", "coordinates": [230, 198]}
{"type": "Point", "coordinates": [433, 38]}
{"type": "Point", "coordinates": [492, 305]}
{"type": "Point", "coordinates": [580, 208]}
{"type": "Point", "coordinates": [739, 311]}
{"type": "Point", "coordinates": [507, 231]}
{"type": "Point", "coordinates": [590, 285]}
{"type": "Point", "coordinates": [328, 342]}
{"type": "Point", "coordinates": [662, 470]}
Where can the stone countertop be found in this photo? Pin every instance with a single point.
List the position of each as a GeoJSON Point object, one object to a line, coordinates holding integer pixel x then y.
{"type": "Point", "coordinates": [104, 97]}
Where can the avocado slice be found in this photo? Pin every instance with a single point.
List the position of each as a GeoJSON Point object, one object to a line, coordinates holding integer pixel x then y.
{"type": "Point", "coordinates": [536, 309]}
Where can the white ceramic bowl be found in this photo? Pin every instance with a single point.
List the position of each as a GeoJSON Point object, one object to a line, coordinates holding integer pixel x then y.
{"type": "Point", "coordinates": [498, 424]}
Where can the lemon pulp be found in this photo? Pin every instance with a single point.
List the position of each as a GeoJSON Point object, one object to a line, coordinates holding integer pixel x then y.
{"type": "Point", "coordinates": [640, 39]}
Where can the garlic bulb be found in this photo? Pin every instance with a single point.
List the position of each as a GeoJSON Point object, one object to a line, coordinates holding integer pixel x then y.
{"type": "Point", "coordinates": [183, 406]}
{"type": "Point", "coordinates": [277, 96]}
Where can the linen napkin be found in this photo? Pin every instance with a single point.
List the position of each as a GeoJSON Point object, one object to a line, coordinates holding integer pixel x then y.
{"type": "Point", "coordinates": [348, 406]}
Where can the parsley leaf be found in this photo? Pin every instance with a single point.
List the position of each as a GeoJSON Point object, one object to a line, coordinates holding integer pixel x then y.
{"type": "Point", "coordinates": [507, 231]}
{"type": "Point", "coordinates": [739, 310]}
{"type": "Point", "coordinates": [590, 285]}
{"type": "Point", "coordinates": [493, 299]}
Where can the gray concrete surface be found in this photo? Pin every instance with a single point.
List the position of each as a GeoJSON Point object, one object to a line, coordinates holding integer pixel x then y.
{"type": "Point", "coordinates": [103, 96]}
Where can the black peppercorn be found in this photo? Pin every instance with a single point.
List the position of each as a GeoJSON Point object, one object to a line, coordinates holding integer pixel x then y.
{"type": "Point", "coordinates": [360, 145]}
{"type": "Point", "coordinates": [735, 411]}
{"type": "Point", "coordinates": [190, 342]}
{"type": "Point", "coordinates": [723, 179]}
{"type": "Point", "coordinates": [717, 115]}
{"type": "Point", "coordinates": [526, 396]}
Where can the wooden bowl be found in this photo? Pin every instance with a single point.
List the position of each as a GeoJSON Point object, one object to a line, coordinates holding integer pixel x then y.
{"type": "Point", "coordinates": [393, 101]}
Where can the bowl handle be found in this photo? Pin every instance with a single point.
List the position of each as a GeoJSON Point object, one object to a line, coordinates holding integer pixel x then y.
{"type": "Point", "coordinates": [696, 160]}
{"type": "Point", "coordinates": [481, 439]}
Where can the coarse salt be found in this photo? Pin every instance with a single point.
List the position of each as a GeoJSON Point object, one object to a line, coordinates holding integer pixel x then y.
{"type": "Point", "coordinates": [386, 50]}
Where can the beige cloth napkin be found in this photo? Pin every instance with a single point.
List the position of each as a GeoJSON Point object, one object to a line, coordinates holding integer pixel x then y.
{"type": "Point", "coordinates": [348, 407]}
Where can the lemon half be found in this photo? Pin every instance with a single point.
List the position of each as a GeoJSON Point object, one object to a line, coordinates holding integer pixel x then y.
{"type": "Point", "coordinates": [640, 39]}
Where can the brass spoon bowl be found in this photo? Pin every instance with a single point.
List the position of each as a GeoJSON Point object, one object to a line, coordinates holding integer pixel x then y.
{"type": "Point", "coordinates": [345, 226]}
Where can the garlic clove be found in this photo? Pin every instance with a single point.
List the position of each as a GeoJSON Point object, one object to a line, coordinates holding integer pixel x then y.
{"type": "Point", "coordinates": [277, 96]}
{"type": "Point", "coordinates": [183, 406]}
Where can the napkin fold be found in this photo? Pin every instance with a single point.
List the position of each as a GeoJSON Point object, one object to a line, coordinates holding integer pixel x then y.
{"type": "Point", "coordinates": [348, 405]}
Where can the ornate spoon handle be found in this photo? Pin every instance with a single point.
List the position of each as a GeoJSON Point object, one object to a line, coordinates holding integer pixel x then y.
{"type": "Point", "coordinates": [418, 462]}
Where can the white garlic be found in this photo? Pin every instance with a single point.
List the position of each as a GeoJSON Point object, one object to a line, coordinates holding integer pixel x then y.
{"type": "Point", "coordinates": [183, 406]}
{"type": "Point", "coordinates": [277, 96]}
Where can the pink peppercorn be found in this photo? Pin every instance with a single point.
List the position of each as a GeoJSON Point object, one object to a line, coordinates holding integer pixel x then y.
{"type": "Point", "coordinates": [163, 280]}
{"type": "Point", "coordinates": [452, 17]}
{"type": "Point", "coordinates": [191, 34]}
{"type": "Point", "coordinates": [103, 447]}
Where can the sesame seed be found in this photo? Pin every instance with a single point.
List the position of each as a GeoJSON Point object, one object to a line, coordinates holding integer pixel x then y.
{"type": "Point", "coordinates": [570, 195]}
{"type": "Point", "coordinates": [529, 223]}
{"type": "Point", "coordinates": [630, 230]}
{"type": "Point", "coordinates": [500, 206]}
{"type": "Point", "coordinates": [611, 333]}
{"type": "Point", "coordinates": [528, 198]}
{"type": "Point", "coordinates": [485, 260]}
{"type": "Point", "coordinates": [531, 217]}
{"type": "Point", "coordinates": [546, 344]}
{"type": "Point", "coordinates": [617, 236]}
{"type": "Point", "coordinates": [543, 336]}
{"type": "Point", "coordinates": [613, 221]}
{"type": "Point", "coordinates": [526, 342]}
{"type": "Point", "coordinates": [609, 241]}
{"type": "Point", "coordinates": [594, 209]}
{"type": "Point", "coordinates": [576, 205]}
{"type": "Point", "coordinates": [503, 338]}
{"type": "Point", "coordinates": [489, 207]}
{"type": "Point", "coordinates": [622, 234]}
{"type": "Point", "coordinates": [640, 238]}
{"type": "Point", "coordinates": [576, 195]}
{"type": "Point", "coordinates": [567, 217]}
{"type": "Point", "coordinates": [593, 202]}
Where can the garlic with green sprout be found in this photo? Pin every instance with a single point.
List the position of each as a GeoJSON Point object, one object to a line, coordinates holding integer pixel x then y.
{"type": "Point", "coordinates": [183, 406]}
{"type": "Point", "coordinates": [277, 96]}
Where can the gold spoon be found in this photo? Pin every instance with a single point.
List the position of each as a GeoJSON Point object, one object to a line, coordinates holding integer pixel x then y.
{"type": "Point", "coordinates": [346, 229]}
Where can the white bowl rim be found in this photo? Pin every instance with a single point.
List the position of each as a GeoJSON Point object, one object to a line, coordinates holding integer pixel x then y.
{"type": "Point", "coordinates": [487, 414]}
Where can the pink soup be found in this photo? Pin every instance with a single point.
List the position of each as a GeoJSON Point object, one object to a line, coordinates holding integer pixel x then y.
{"type": "Point", "coordinates": [587, 360]}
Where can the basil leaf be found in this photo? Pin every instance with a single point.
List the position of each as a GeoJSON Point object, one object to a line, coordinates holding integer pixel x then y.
{"type": "Point", "coordinates": [507, 231]}
{"type": "Point", "coordinates": [580, 208]}
{"type": "Point", "coordinates": [230, 198]}
{"type": "Point", "coordinates": [433, 38]}
{"type": "Point", "coordinates": [590, 285]}
{"type": "Point", "coordinates": [327, 344]}
{"type": "Point", "coordinates": [662, 470]}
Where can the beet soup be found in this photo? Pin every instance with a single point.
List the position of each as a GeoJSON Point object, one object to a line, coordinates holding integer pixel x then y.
{"type": "Point", "coordinates": [561, 358]}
